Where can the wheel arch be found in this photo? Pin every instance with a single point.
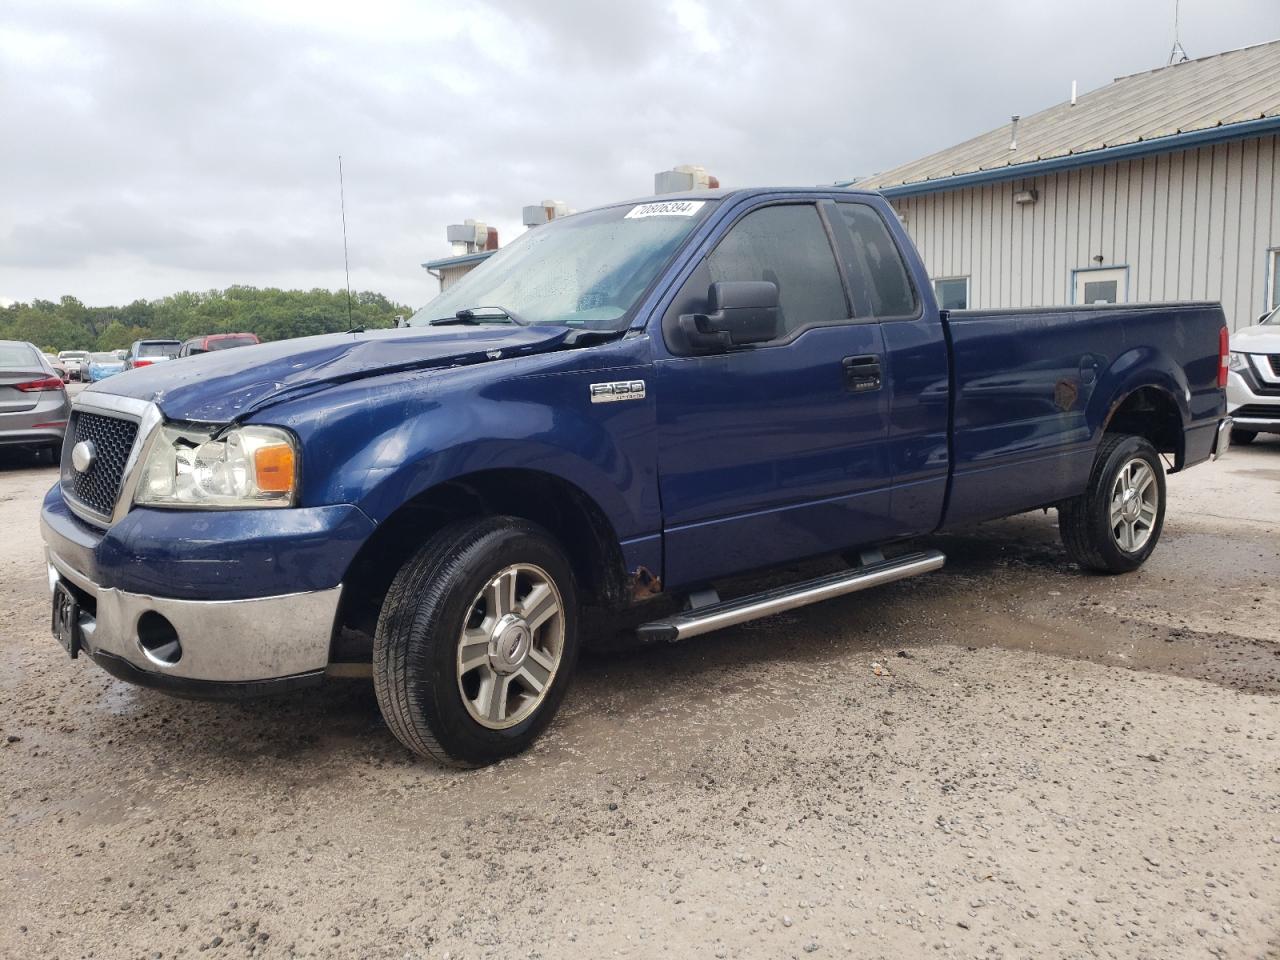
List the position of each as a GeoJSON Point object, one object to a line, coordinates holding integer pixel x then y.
{"type": "Point", "coordinates": [1145, 394]}
{"type": "Point", "coordinates": [578, 523]}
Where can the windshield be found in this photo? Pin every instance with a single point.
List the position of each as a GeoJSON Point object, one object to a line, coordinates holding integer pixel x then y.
{"type": "Point", "coordinates": [73, 355]}
{"type": "Point", "coordinates": [104, 358]}
{"type": "Point", "coordinates": [586, 270]}
{"type": "Point", "coordinates": [157, 348]}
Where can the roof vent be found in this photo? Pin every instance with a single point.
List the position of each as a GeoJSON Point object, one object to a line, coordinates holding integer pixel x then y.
{"type": "Point", "coordinates": [471, 236]}
{"type": "Point", "coordinates": [683, 178]}
{"type": "Point", "coordinates": [540, 213]}
{"type": "Point", "coordinates": [1013, 133]}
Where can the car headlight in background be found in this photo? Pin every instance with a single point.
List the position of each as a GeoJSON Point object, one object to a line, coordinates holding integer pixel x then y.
{"type": "Point", "coordinates": [1236, 361]}
{"type": "Point", "coordinates": [250, 466]}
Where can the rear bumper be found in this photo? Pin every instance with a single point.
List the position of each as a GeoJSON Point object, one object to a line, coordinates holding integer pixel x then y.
{"type": "Point", "coordinates": [40, 437]}
{"type": "Point", "coordinates": [1222, 439]}
{"type": "Point", "coordinates": [44, 424]}
{"type": "Point", "coordinates": [226, 647]}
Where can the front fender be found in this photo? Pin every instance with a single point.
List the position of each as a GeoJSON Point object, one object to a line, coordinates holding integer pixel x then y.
{"type": "Point", "coordinates": [380, 443]}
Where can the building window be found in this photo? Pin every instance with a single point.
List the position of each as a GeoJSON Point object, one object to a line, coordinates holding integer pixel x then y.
{"type": "Point", "coordinates": [1100, 285]}
{"type": "Point", "coordinates": [952, 293]}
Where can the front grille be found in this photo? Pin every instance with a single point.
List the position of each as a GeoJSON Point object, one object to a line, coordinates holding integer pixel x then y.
{"type": "Point", "coordinates": [99, 486]}
{"type": "Point", "coordinates": [1274, 360]}
{"type": "Point", "coordinates": [1260, 410]}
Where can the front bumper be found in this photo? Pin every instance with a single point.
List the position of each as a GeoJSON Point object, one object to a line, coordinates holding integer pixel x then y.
{"type": "Point", "coordinates": [1255, 406]}
{"type": "Point", "coordinates": [226, 647]}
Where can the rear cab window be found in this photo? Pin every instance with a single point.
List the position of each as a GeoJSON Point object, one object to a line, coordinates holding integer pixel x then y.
{"type": "Point", "coordinates": [875, 263]}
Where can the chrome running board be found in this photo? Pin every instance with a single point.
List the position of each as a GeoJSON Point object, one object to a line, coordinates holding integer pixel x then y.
{"type": "Point", "coordinates": [701, 620]}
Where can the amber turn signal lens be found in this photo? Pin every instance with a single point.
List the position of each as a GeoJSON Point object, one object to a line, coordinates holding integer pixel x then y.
{"type": "Point", "coordinates": [273, 468]}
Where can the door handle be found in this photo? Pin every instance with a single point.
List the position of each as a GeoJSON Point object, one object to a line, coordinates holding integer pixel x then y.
{"type": "Point", "coordinates": [861, 374]}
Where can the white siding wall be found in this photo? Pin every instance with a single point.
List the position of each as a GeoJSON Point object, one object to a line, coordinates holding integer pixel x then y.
{"type": "Point", "coordinates": [1196, 224]}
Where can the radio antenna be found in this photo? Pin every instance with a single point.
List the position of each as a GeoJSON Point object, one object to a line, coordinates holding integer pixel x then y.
{"type": "Point", "coordinates": [1177, 54]}
{"type": "Point", "coordinates": [346, 260]}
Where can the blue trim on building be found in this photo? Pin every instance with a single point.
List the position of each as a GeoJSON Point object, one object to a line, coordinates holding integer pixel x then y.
{"type": "Point", "coordinates": [1089, 158]}
{"type": "Point", "coordinates": [458, 261]}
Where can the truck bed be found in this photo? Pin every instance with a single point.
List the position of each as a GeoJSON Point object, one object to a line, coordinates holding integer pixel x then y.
{"type": "Point", "coordinates": [1032, 391]}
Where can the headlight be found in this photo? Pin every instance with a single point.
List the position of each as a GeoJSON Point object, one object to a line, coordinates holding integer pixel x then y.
{"type": "Point", "coordinates": [245, 467]}
{"type": "Point", "coordinates": [1236, 361]}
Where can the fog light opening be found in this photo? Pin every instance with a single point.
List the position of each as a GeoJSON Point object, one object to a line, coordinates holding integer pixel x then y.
{"type": "Point", "coordinates": [158, 639]}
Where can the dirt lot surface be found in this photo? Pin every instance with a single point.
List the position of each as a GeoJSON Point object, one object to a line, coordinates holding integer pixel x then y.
{"type": "Point", "coordinates": [1009, 758]}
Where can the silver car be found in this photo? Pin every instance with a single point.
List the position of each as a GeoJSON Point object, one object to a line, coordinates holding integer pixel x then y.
{"type": "Point", "coordinates": [33, 401]}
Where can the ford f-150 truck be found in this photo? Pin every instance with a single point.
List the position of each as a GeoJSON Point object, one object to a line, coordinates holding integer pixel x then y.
{"type": "Point", "coordinates": [634, 401]}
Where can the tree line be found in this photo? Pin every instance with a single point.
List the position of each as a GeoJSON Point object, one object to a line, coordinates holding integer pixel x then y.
{"type": "Point", "coordinates": [271, 313]}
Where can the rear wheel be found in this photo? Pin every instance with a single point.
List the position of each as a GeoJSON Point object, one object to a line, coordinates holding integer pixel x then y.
{"type": "Point", "coordinates": [1116, 523]}
{"type": "Point", "coordinates": [476, 641]}
{"type": "Point", "coordinates": [1243, 437]}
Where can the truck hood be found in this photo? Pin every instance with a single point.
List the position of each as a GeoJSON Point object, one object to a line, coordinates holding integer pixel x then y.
{"type": "Point", "coordinates": [1263, 338]}
{"type": "Point", "coordinates": [222, 386]}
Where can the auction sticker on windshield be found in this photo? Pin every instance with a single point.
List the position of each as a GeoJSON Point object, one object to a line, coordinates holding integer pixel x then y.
{"type": "Point", "coordinates": [665, 208]}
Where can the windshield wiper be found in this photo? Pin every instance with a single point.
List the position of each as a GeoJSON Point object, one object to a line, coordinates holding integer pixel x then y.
{"type": "Point", "coordinates": [473, 315]}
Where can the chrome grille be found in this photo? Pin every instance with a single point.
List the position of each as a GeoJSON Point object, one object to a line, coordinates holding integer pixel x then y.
{"type": "Point", "coordinates": [99, 486]}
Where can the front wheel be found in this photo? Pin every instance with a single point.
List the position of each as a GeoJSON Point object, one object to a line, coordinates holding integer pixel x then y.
{"type": "Point", "coordinates": [1116, 523]}
{"type": "Point", "coordinates": [476, 641]}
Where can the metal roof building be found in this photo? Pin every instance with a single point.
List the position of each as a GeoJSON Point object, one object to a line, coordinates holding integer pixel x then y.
{"type": "Point", "coordinates": [1162, 185]}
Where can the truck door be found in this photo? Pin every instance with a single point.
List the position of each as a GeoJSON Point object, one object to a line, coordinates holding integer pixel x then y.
{"type": "Point", "coordinates": [778, 450]}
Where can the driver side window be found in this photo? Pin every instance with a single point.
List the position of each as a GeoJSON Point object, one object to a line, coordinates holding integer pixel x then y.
{"type": "Point", "coordinates": [787, 245]}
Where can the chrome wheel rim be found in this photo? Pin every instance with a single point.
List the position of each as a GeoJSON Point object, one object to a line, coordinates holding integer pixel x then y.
{"type": "Point", "coordinates": [1135, 501]}
{"type": "Point", "coordinates": [510, 646]}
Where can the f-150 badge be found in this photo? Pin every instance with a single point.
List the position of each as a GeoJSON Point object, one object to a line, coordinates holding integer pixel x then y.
{"type": "Point", "coordinates": [619, 390]}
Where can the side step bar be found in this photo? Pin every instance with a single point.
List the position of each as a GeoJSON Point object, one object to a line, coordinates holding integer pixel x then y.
{"type": "Point", "coordinates": [701, 620]}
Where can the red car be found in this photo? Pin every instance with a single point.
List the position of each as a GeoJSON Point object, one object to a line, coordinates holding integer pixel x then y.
{"type": "Point", "coordinates": [217, 341]}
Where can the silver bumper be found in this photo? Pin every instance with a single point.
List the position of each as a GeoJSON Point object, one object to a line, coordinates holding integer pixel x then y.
{"type": "Point", "coordinates": [221, 641]}
{"type": "Point", "coordinates": [1222, 440]}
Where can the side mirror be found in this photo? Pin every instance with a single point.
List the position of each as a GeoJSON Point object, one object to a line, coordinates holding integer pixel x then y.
{"type": "Point", "coordinates": [739, 313]}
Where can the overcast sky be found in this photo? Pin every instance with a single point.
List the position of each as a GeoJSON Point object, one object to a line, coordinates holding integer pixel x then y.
{"type": "Point", "coordinates": [155, 147]}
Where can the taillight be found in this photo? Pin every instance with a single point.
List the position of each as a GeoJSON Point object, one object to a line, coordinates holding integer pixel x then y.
{"type": "Point", "coordinates": [142, 363]}
{"type": "Point", "coordinates": [1224, 355]}
{"type": "Point", "coordinates": [36, 386]}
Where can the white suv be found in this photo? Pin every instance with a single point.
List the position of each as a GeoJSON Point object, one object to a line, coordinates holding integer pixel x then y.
{"type": "Point", "coordinates": [1253, 387]}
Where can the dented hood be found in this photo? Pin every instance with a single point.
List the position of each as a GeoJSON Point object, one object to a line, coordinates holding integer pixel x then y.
{"type": "Point", "coordinates": [227, 385]}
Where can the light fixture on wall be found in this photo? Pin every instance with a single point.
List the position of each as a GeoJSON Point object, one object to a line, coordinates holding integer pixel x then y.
{"type": "Point", "coordinates": [1097, 258]}
{"type": "Point", "coordinates": [1025, 196]}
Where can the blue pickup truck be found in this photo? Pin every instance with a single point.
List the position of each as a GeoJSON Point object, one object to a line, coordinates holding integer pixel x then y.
{"type": "Point", "coordinates": [636, 401]}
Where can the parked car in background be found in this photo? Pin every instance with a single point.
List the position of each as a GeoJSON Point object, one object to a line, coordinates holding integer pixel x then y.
{"type": "Point", "coordinates": [103, 365]}
{"type": "Point", "coordinates": [217, 341]}
{"type": "Point", "coordinates": [717, 383]}
{"type": "Point", "coordinates": [1253, 387]}
{"type": "Point", "coordinates": [33, 400]}
{"type": "Point", "coordinates": [59, 367]}
{"type": "Point", "coordinates": [143, 353]}
{"type": "Point", "coordinates": [74, 361]}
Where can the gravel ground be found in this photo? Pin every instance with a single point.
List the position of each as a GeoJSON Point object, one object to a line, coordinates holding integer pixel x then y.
{"type": "Point", "coordinates": [1006, 759]}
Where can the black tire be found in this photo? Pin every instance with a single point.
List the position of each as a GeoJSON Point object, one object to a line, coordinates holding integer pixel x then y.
{"type": "Point", "coordinates": [416, 643]}
{"type": "Point", "coordinates": [1243, 437]}
{"type": "Point", "coordinates": [1084, 521]}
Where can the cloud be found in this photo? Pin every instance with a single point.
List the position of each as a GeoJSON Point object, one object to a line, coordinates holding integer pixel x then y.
{"type": "Point", "coordinates": [153, 147]}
